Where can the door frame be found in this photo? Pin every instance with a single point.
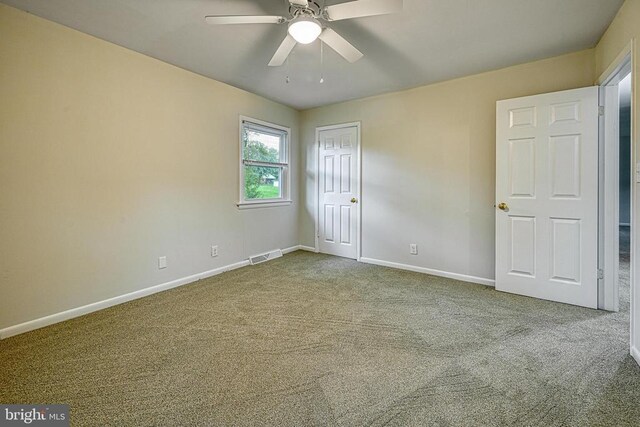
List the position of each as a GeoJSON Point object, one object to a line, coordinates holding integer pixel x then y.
{"type": "Point", "coordinates": [316, 199]}
{"type": "Point", "coordinates": [609, 172]}
{"type": "Point", "coordinates": [608, 296]}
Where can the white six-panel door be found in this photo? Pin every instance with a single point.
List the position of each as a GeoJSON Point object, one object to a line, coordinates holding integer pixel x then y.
{"type": "Point", "coordinates": [338, 191]}
{"type": "Point", "coordinates": [547, 196]}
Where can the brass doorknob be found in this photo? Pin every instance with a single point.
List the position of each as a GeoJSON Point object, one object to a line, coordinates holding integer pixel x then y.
{"type": "Point", "coordinates": [503, 206]}
{"type": "Point", "coordinates": [354, 200]}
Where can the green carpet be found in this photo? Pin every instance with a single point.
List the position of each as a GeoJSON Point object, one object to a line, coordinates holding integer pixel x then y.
{"type": "Point", "coordinates": [310, 339]}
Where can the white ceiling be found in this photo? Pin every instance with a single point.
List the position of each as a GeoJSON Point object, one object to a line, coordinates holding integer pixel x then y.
{"type": "Point", "coordinates": [430, 41]}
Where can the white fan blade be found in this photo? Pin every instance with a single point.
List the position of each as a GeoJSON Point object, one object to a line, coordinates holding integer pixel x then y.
{"type": "Point", "coordinates": [304, 3]}
{"type": "Point", "coordinates": [283, 52]}
{"type": "Point", "coordinates": [360, 8]}
{"type": "Point", "coordinates": [336, 42]}
{"type": "Point", "coordinates": [244, 19]}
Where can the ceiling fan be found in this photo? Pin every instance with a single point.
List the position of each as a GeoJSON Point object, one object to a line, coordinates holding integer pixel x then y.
{"type": "Point", "coordinates": [305, 26]}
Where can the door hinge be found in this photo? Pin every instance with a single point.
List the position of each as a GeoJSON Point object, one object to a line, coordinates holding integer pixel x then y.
{"type": "Point", "coordinates": [601, 110]}
{"type": "Point", "coordinates": [600, 274]}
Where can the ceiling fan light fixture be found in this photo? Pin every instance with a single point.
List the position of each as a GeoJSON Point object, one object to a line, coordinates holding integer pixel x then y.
{"type": "Point", "coordinates": [305, 29]}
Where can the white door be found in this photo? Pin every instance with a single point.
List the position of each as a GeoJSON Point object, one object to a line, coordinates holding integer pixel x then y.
{"type": "Point", "coordinates": [338, 191]}
{"type": "Point", "coordinates": [547, 196]}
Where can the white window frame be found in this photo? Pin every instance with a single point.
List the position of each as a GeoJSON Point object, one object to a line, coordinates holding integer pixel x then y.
{"type": "Point", "coordinates": [285, 184]}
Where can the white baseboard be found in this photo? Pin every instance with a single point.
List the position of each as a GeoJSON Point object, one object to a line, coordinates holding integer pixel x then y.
{"type": "Point", "coordinates": [636, 354]}
{"type": "Point", "coordinates": [299, 248]}
{"type": "Point", "coordinates": [461, 277]}
{"type": "Point", "coordinates": [90, 308]}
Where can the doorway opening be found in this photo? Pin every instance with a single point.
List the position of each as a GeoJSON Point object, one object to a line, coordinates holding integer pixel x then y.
{"type": "Point", "coordinates": [619, 172]}
{"type": "Point", "coordinates": [624, 191]}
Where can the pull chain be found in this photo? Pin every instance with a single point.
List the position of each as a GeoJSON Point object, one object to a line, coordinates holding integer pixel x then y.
{"type": "Point", "coordinates": [287, 79]}
{"type": "Point", "coordinates": [321, 62]}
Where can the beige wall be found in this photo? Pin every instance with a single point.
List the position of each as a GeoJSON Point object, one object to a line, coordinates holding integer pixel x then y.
{"type": "Point", "coordinates": [110, 159]}
{"type": "Point", "coordinates": [624, 29]}
{"type": "Point", "coordinates": [428, 163]}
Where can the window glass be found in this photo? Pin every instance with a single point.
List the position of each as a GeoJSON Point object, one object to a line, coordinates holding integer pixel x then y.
{"type": "Point", "coordinates": [262, 182]}
{"type": "Point", "coordinates": [264, 162]}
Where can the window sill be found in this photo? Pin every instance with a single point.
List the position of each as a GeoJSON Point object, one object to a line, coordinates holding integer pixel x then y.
{"type": "Point", "coordinates": [264, 204]}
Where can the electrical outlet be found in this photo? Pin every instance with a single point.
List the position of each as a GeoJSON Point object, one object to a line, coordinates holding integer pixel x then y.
{"type": "Point", "coordinates": [413, 249]}
{"type": "Point", "coordinates": [214, 251]}
{"type": "Point", "coordinates": [162, 262]}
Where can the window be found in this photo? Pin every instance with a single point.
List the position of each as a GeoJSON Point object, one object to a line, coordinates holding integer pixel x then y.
{"type": "Point", "coordinates": [264, 164]}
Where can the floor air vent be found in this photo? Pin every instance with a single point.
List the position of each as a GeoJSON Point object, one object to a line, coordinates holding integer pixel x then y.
{"type": "Point", "coordinates": [257, 259]}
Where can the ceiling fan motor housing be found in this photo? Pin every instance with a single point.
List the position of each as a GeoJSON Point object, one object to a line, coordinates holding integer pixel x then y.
{"type": "Point", "coordinates": [313, 9]}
